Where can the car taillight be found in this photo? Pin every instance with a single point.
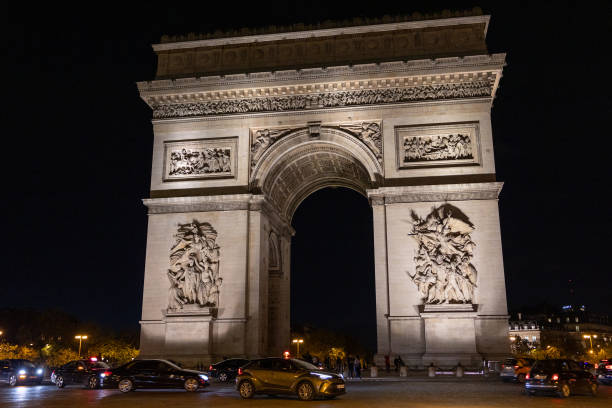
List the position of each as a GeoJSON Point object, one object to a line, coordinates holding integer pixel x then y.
{"type": "Point", "coordinates": [516, 367]}
{"type": "Point", "coordinates": [527, 376]}
{"type": "Point", "coordinates": [210, 368]}
{"type": "Point", "coordinates": [503, 366]}
{"type": "Point", "coordinates": [106, 374]}
{"type": "Point", "coordinates": [555, 377]}
{"type": "Point", "coordinates": [608, 366]}
{"type": "Point", "coordinates": [240, 371]}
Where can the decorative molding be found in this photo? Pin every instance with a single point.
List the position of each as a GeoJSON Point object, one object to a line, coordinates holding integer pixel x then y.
{"type": "Point", "coordinates": [436, 193]}
{"type": "Point", "coordinates": [263, 138]}
{"type": "Point", "coordinates": [229, 202]}
{"type": "Point", "coordinates": [437, 145]}
{"type": "Point", "coordinates": [443, 270]}
{"type": "Point", "coordinates": [194, 270]}
{"type": "Point", "coordinates": [460, 90]}
{"type": "Point", "coordinates": [440, 69]}
{"type": "Point", "coordinates": [200, 159]}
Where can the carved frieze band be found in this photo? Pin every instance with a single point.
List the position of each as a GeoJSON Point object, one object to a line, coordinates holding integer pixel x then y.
{"type": "Point", "coordinates": [429, 92]}
{"type": "Point", "coordinates": [200, 159]}
{"type": "Point", "coordinates": [369, 132]}
{"type": "Point", "coordinates": [436, 193]}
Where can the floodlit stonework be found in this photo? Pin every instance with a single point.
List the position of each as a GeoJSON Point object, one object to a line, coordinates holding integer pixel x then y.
{"type": "Point", "coordinates": [241, 140]}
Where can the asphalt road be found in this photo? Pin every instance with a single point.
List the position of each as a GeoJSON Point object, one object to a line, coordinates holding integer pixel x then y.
{"type": "Point", "coordinates": [414, 393]}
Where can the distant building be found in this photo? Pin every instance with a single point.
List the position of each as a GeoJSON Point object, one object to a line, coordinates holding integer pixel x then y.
{"type": "Point", "coordinates": [570, 326]}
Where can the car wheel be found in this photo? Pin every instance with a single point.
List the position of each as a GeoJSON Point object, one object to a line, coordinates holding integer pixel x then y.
{"type": "Point", "coordinates": [305, 391]}
{"type": "Point", "coordinates": [223, 377]}
{"type": "Point", "coordinates": [13, 380]}
{"type": "Point", "coordinates": [521, 378]}
{"type": "Point", "coordinates": [246, 390]}
{"type": "Point", "coordinates": [565, 391]}
{"type": "Point", "coordinates": [93, 382]}
{"type": "Point", "coordinates": [59, 381]}
{"type": "Point", "coordinates": [126, 385]}
{"type": "Point", "coordinates": [191, 384]}
{"type": "Point", "coordinates": [593, 389]}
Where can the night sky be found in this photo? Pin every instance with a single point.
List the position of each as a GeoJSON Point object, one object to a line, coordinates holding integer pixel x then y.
{"type": "Point", "coordinates": [78, 145]}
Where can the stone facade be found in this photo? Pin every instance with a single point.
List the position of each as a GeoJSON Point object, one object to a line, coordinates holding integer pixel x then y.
{"type": "Point", "coordinates": [238, 153]}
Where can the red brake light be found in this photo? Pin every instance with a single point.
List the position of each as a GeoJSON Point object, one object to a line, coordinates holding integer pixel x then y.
{"type": "Point", "coordinates": [527, 376]}
{"type": "Point", "coordinates": [608, 366]}
{"type": "Point", "coordinates": [210, 368]}
{"type": "Point", "coordinates": [240, 371]}
{"type": "Point", "coordinates": [555, 377]}
{"type": "Point", "coordinates": [503, 366]}
{"type": "Point", "coordinates": [516, 367]}
{"type": "Point", "coordinates": [107, 373]}
{"type": "Point", "coordinates": [93, 359]}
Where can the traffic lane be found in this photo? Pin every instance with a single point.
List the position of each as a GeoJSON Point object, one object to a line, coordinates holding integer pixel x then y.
{"type": "Point", "coordinates": [418, 393]}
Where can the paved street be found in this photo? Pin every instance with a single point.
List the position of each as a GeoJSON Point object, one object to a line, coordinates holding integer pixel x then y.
{"type": "Point", "coordinates": [414, 393]}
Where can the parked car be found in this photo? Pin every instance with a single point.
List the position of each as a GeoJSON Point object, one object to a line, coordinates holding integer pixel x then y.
{"type": "Point", "coordinates": [19, 371]}
{"type": "Point", "coordinates": [562, 377]}
{"type": "Point", "coordinates": [516, 369]}
{"type": "Point", "coordinates": [288, 376]}
{"type": "Point", "coordinates": [226, 370]}
{"type": "Point", "coordinates": [604, 372]}
{"type": "Point", "coordinates": [82, 372]}
{"type": "Point", "coordinates": [153, 374]}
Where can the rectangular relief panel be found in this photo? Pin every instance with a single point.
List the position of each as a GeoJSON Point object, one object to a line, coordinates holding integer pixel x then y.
{"type": "Point", "coordinates": [200, 159]}
{"type": "Point", "coordinates": [452, 144]}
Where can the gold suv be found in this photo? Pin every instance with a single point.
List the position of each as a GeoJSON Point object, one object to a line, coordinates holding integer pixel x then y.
{"type": "Point", "coordinates": [287, 376]}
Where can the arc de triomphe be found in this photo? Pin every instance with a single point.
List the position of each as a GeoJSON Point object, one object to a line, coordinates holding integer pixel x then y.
{"type": "Point", "coordinates": [247, 127]}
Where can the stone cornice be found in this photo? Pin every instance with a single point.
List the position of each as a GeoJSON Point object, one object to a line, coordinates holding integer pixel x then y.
{"type": "Point", "coordinates": [407, 25]}
{"type": "Point", "coordinates": [436, 193]}
{"type": "Point", "coordinates": [439, 66]}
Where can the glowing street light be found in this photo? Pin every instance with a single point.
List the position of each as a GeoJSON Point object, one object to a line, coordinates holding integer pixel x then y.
{"type": "Point", "coordinates": [80, 337]}
{"type": "Point", "coordinates": [297, 342]}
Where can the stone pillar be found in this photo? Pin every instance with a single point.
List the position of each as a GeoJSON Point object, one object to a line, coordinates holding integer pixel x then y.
{"type": "Point", "coordinates": [381, 280]}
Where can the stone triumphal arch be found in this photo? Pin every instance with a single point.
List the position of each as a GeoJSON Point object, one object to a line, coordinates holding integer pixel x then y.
{"type": "Point", "coordinates": [247, 127]}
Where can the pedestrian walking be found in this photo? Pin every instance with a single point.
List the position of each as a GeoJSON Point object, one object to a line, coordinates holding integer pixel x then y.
{"type": "Point", "coordinates": [357, 366]}
{"type": "Point", "coordinates": [339, 364]}
{"type": "Point", "coordinates": [351, 365]}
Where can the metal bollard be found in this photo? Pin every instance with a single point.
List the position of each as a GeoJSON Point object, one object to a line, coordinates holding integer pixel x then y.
{"type": "Point", "coordinates": [459, 370]}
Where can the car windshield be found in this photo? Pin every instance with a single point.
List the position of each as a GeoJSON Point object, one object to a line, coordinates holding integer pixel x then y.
{"type": "Point", "coordinates": [510, 361]}
{"type": "Point", "coordinates": [304, 365]}
{"type": "Point", "coordinates": [174, 364]}
{"type": "Point", "coordinates": [546, 365]}
{"type": "Point", "coordinates": [98, 364]}
{"type": "Point", "coordinates": [25, 363]}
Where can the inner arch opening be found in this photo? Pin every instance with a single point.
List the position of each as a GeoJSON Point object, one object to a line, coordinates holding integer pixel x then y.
{"type": "Point", "coordinates": [332, 268]}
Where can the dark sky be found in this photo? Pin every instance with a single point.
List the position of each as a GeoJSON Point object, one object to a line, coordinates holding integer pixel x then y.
{"type": "Point", "coordinates": [78, 143]}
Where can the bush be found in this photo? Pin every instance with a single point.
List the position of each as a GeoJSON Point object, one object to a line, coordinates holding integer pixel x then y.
{"type": "Point", "coordinates": [8, 351]}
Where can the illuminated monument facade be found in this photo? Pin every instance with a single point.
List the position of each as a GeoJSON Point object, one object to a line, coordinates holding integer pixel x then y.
{"type": "Point", "coordinates": [247, 127]}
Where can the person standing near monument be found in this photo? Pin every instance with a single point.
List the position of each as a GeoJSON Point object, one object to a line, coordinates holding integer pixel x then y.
{"type": "Point", "coordinates": [387, 363]}
{"type": "Point", "coordinates": [351, 365]}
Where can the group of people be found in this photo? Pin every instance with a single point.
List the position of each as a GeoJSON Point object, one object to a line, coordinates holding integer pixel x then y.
{"type": "Point", "coordinates": [350, 364]}
{"type": "Point", "coordinates": [397, 362]}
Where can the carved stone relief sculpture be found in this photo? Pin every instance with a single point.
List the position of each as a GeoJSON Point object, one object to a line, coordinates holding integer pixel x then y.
{"type": "Point", "coordinates": [207, 158]}
{"type": "Point", "coordinates": [262, 139]}
{"type": "Point", "coordinates": [370, 134]}
{"type": "Point", "coordinates": [439, 145]}
{"type": "Point", "coordinates": [443, 270]}
{"type": "Point", "coordinates": [194, 267]}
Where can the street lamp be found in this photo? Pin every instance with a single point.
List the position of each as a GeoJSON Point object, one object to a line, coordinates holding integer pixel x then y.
{"type": "Point", "coordinates": [81, 338]}
{"type": "Point", "coordinates": [297, 342]}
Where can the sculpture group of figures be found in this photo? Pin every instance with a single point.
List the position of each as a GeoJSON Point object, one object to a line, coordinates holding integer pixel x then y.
{"type": "Point", "coordinates": [194, 266]}
{"type": "Point", "coordinates": [368, 132]}
{"type": "Point", "coordinates": [324, 100]}
{"type": "Point", "coordinates": [200, 161]}
{"type": "Point", "coordinates": [443, 269]}
{"type": "Point", "coordinates": [447, 147]}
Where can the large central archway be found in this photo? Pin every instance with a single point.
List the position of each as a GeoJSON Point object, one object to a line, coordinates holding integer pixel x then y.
{"type": "Point", "coordinates": [303, 162]}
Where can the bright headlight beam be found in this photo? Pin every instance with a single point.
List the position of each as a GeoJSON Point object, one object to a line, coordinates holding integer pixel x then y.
{"type": "Point", "coordinates": [39, 371]}
{"type": "Point", "coordinates": [204, 377]}
{"type": "Point", "coordinates": [22, 372]}
{"type": "Point", "coordinates": [322, 376]}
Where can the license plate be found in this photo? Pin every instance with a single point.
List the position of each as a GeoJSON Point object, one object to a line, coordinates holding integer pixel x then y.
{"type": "Point", "coordinates": [340, 386]}
{"type": "Point", "coordinates": [539, 377]}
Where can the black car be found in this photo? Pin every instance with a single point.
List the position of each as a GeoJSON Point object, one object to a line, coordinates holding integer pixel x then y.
{"type": "Point", "coordinates": [153, 374]}
{"type": "Point", "coordinates": [288, 376]}
{"type": "Point", "coordinates": [562, 377]}
{"type": "Point", "coordinates": [82, 372]}
{"type": "Point", "coordinates": [604, 372]}
{"type": "Point", "coordinates": [19, 371]}
{"type": "Point", "coordinates": [227, 370]}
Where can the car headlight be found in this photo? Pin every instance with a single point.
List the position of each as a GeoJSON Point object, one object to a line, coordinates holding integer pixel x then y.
{"type": "Point", "coordinates": [22, 372]}
{"type": "Point", "coordinates": [204, 377]}
{"type": "Point", "coordinates": [39, 371]}
{"type": "Point", "coordinates": [341, 376]}
{"type": "Point", "coordinates": [322, 376]}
